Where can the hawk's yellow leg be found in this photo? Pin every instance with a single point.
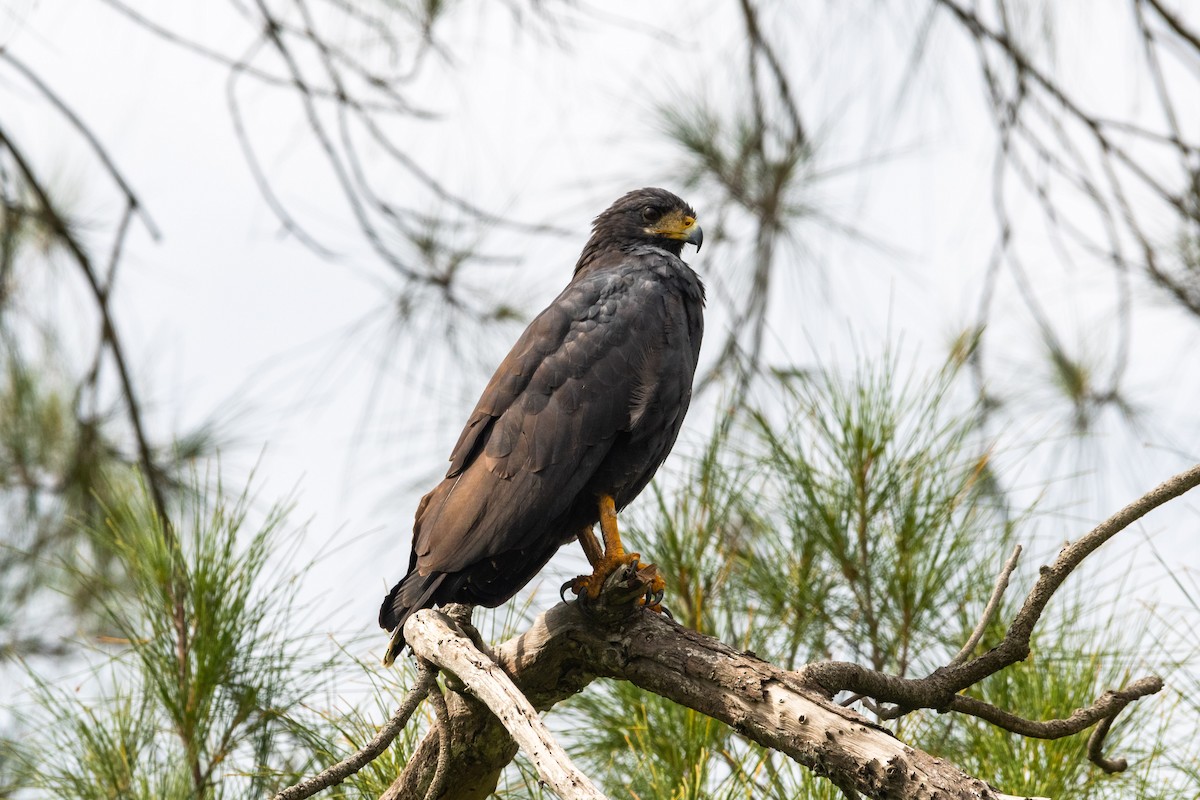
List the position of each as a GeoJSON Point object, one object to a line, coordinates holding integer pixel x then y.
{"type": "Point", "coordinates": [612, 557]}
{"type": "Point", "coordinates": [591, 546]}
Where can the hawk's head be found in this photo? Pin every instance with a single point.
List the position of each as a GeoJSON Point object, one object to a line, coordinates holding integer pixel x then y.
{"type": "Point", "coordinates": [649, 215]}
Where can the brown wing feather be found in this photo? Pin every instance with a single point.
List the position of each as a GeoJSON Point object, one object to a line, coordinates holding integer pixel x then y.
{"type": "Point", "coordinates": [544, 423]}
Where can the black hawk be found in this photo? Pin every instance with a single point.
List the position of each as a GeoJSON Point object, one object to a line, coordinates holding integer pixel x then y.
{"type": "Point", "coordinates": [574, 423]}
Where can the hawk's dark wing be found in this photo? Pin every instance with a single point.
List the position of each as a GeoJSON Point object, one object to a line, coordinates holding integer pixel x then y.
{"type": "Point", "coordinates": [545, 421]}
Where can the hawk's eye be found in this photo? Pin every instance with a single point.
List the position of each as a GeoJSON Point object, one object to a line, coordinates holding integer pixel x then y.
{"type": "Point", "coordinates": [651, 214]}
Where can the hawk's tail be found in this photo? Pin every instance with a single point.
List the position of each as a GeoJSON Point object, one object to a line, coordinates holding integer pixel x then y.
{"type": "Point", "coordinates": [405, 599]}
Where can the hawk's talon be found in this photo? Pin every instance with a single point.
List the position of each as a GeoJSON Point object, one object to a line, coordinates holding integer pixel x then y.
{"type": "Point", "coordinates": [578, 586]}
{"type": "Point", "coordinates": [593, 584]}
{"type": "Point", "coordinates": [612, 563]}
{"type": "Point", "coordinates": [653, 597]}
{"type": "Point", "coordinates": [659, 608]}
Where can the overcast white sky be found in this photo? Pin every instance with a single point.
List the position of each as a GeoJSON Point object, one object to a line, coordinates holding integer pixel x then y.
{"type": "Point", "coordinates": [225, 312]}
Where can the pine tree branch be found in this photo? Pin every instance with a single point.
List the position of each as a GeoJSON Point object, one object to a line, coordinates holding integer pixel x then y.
{"type": "Point", "coordinates": [567, 647]}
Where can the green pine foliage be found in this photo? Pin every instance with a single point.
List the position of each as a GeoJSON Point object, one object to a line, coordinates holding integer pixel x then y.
{"type": "Point", "coordinates": [55, 470]}
{"type": "Point", "coordinates": [878, 492]}
{"type": "Point", "coordinates": [197, 691]}
{"type": "Point", "coordinates": [1183, 752]}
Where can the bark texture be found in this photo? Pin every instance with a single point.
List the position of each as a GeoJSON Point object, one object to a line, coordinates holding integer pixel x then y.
{"type": "Point", "coordinates": [566, 649]}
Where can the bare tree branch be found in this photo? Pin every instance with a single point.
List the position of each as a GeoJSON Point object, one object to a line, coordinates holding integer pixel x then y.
{"type": "Point", "coordinates": [86, 132]}
{"type": "Point", "coordinates": [209, 54]}
{"type": "Point", "coordinates": [989, 611]}
{"type": "Point", "coordinates": [1096, 745]}
{"type": "Point", "coordinates": [1106, 709]}
{"type": "Point", "coordinates": [940, 689]}
{"type": "Point", "coordinates": [442, 721]}
{"type": "Point", "coordinates": [426, 680]}
{"type": "Point", "coordinates": [1192, 37]}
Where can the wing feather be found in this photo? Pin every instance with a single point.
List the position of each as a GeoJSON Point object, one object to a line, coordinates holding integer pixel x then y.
{"type": "Point", "coordinates": [543, 425]}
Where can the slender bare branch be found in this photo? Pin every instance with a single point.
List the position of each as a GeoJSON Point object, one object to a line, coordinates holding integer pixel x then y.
{"type": "Point", "coordinates": [426, 681]}
{"type": "Point", "coordinates": [241, 67]}
{"type": "Point", "coordinates": [1176, 23]}
{"type": "Point", "coordinates": [209, 54]}
{"type": "Point", "coordinates": [1095, 748]}
{"type": "Point", "coordinates": [989, 611]}
{"type": "Point", "coordinates": [1106, 707]}
{"type": "Point", "coordinates": [88, 135]}
{"type": "Point", "coordinates": [442, 721]}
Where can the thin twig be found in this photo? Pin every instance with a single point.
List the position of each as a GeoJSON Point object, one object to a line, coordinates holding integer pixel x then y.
{"type": "Point", "coordinates": [273, 32]}
{"type": "Point", "coordinates": [86, 132]}
{"type": "Point", "coordinates": [198, 49]}
{"type": "Point", "coordinates": [242, 67]}
{"type": "Point", "coordinates": [989, 611]}
{"type": "Point", "coordinates": [1191, 37]}
{"type": "Point", "coordinates": [426, 680]}
{"type": "Point", "coordinates": [1095, 748]}
{"type": "Point", "coordinates": [1107, 706]}
{"type": "Point", "coordinates": [442, 720]}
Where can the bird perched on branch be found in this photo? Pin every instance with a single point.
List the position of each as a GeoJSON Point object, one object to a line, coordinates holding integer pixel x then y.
{"type": "Point", "coordinates": [572, 426]}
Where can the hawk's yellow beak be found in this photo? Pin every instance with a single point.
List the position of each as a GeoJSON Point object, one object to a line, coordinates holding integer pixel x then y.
{"type": "Point", "coordinates": [677, 225]}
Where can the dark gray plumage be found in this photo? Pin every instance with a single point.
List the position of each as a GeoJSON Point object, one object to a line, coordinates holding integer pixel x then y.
{"type": "Point", "coordinates": [588, 402]}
